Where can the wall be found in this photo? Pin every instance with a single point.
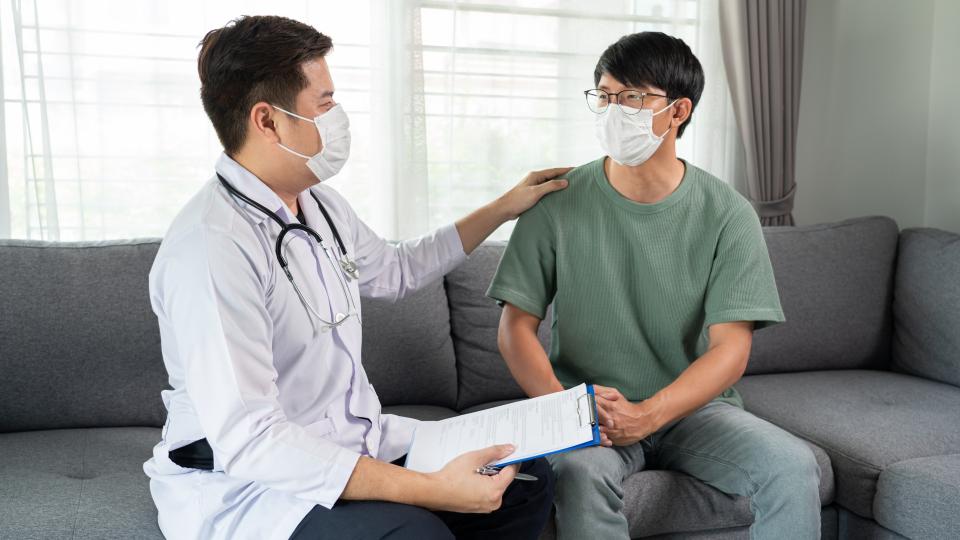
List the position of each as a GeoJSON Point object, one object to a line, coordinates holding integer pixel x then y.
{"type": "Point", "coordinates": [875, 88]}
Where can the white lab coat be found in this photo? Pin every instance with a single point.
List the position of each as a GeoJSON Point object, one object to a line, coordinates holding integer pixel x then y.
{"type": "Point", "coordinates": [288, 410]}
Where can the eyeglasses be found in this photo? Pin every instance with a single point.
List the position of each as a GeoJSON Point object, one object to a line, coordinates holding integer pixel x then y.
{"type": "Point", "coordinates": [629, 101]}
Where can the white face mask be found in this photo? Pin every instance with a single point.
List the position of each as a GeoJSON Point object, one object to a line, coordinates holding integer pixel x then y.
{"type": "Point", "coordinates": [334, 129]}
{"type": "Point", "coordinates": [628, 138]}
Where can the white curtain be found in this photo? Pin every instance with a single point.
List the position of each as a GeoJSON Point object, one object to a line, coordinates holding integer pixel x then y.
{"type": "Point", "coordinates": [102, 134]}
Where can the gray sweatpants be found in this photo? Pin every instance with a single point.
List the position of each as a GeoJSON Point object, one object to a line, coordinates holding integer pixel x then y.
{"type": "Point", "coordinates": [720, 444]}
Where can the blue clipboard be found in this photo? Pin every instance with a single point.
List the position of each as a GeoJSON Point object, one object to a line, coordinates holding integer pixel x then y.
{"type": "Point", "coordinates": [586, 405]}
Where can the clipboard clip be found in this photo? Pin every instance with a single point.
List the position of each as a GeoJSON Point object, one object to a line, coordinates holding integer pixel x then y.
{"type": "Point", "coordinates": [588, 402]}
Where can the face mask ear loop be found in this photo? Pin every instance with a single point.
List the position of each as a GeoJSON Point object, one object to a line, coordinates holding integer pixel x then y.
{"type": "Point", "coordinates": [295, 115]}
{"type": "Point", "coordinates": [292, 151]}
{"type": "Point", "coordinates": [658, 112]}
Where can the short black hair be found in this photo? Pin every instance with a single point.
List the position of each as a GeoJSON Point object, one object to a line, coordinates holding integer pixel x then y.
{"type": "Point", "coordinates": [654, 59]}
{"type": "Point", "coordinates": [254, 59]}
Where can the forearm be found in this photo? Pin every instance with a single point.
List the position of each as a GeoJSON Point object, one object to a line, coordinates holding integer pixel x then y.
{"type": "Point", "coordinates": [706, 378]}
{"type": "Point", "coordinates": [480, 224]}
{"type": "Point", "coordinates": [525, 357]}
{"type": "Point", "coordinates": [374, 480]}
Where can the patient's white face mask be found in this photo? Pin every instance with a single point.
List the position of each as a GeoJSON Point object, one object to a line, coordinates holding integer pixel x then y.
{"type": "Point", "coordinates": [628, 138]}
{"type": "Point", "coordinates": [334, 129]}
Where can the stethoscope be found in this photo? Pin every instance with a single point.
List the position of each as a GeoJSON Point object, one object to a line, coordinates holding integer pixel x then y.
{"type": "Point", "coordinates": [347, 265]}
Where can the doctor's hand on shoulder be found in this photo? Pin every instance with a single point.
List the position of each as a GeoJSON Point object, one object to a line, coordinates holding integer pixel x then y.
{"type": "Point", "coordinates": [481, 223]}
{"type": "Point", "coordinates": [531, 189]}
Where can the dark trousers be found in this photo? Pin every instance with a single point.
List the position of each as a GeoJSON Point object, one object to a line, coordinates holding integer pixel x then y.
{"type": "Point", "coordinates": [522, 516]}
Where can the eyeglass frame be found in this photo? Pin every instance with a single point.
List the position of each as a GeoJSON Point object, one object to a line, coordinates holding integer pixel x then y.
{"type": "Point", "coordinates": [643, 95]}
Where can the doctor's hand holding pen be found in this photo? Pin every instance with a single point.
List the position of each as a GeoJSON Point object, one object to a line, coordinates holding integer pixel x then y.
{"type": "Point", "coordinates": [482, 222]}
{"type": "Point", "coordinates": [464, 490]}
{"type": "Point", "coordinates": [455, 488]}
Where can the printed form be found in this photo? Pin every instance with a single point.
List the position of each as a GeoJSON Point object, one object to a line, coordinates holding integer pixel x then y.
{"type": "Point", "coordinates": [542, 425]}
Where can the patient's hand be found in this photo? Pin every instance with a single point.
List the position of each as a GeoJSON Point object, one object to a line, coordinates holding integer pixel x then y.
{"type": "Point", "coordinates": [624, 423]}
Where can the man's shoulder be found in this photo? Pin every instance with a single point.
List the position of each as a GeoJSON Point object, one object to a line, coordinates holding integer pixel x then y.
{"type": "Point", "coordinates": [580, 179]}
{"type": "Point", "coordinates": [718, 197]}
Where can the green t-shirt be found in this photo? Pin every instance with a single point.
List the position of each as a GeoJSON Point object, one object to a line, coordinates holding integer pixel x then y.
{"type": "Point", "coordinates": [635, 286]}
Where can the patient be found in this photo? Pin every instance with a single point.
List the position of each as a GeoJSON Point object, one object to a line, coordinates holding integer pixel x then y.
{"type": "Point", "coordinates": [658, 274]}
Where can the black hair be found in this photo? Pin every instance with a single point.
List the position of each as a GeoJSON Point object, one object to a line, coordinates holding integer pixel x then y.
{"type": "Point", "coordinates": [654, 59]}
{"type": "Point", "coordinates": [249, 60]}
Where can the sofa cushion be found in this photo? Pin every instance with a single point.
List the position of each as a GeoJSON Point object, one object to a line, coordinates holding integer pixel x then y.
{"type": "Point", "coordinates": [919, 498]}
{"type": "Point", "coordinates": [835, 282]}
{"type": "Point", "coordinates": [407, 351]}
{"type": "Point", "coordinates": [926, 305]}
{"type": "Point", "coordinates": [657, 502]}
{"type": "Point", "coordinates": [77, 483]}
{"type": "Point", "coordinates": [865, 420]}
{"type": "Point", "coordinates": [853, 527]}
{"type": "Point", "coordinates": [79, 344]}
{"type": "Point", "coordinates": [474, 319]}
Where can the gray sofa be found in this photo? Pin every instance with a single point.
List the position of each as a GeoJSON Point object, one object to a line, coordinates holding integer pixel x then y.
{"type": "Point", "coordinates": [866, 370]}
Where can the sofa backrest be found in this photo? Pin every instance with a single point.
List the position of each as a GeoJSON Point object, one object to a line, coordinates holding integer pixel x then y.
{"type": "Point", "coordinates": [79, 345]}
{"type": "Point", "coordinates": [407, 350]}
{"type": "Point", "coordinates": [926, 305]}
{"type": "Point", "coordinates": [474, 318]}
{"type": "Point", "coordinates": [836, 289]}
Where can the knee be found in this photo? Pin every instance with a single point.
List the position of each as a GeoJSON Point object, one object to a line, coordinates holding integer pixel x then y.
{"type": "Point", "coordinates": [584, 469]}
{"type": "Point", "coordinates": [794, 466]}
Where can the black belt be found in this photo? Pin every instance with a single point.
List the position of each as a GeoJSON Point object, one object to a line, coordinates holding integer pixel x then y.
{"type": "Point", "coordinates": [196, 455]}
{"type": "Point", "coordinates": [199, 455]}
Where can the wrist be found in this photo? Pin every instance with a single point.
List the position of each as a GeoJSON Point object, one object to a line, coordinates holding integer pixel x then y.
{"type": "Point", "coordinates": [644, 419]}
{"type": "Point", "coordinates": [500, 209]}
{"type": "Point", "coordinates": [655, 410]}
{"type": "Point", "coordinates": [430, 491]}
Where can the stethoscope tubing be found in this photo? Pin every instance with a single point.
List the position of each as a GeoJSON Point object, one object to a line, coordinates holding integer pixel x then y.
{"type": "Point", "coordinates": [284, 265]}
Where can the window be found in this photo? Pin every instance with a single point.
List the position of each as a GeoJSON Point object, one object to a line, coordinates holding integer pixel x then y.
{"type": "Point", "coordinates": [451, 103]}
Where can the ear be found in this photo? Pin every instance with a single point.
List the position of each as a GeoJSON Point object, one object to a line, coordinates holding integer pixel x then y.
{"type": "Point", "coordinates": [680, 112]}
{"type": "Point", "coordinates": [262, 122]}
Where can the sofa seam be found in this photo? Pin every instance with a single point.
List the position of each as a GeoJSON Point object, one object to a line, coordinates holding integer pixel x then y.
{"type": "Point", "coordinates": [77, 245]}
{"type": "Point", "coordinates": [830, 226]}
{"type": "Point", "coordinates": [83, 480]}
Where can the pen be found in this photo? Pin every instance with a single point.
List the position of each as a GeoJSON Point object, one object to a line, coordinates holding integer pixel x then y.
{"type": "Point", "coordinates": [487, 470]}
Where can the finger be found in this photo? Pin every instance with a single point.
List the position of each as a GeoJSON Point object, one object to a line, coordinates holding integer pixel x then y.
{"type": "Point", "coordinates": [605, 418]}
{"type": "Point", "coordinates": [552, 185]}
{"type": "Point", "coordinates": [609, 404]}
{"type": "Point", "coordinates": [605, 441]}
{"type": "Point", "coordinates": [506, 475]}
{"type": "Point", "coordinates": [606, 392]}
{"type": "Point", "coordinates": [491, 454]}
{"type": "Point", "coordinates": [547, 174]}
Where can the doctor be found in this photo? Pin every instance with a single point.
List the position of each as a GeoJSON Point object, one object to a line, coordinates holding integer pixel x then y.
{"type": "Point", "coordinates": [273, 430]}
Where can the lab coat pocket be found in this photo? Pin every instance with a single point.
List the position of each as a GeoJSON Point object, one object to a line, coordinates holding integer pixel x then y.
{"type": "Point", "coordinates": [320, 428]}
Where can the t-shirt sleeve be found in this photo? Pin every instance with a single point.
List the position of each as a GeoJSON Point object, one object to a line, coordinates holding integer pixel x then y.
{"type": "Point", "coordinates": [526, 276]}
{"type": "Point", "coordinates": [742, 285]}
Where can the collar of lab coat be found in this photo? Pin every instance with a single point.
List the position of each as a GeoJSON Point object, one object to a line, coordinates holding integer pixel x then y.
{"type": "Point", "coordinates": [247, 183]}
